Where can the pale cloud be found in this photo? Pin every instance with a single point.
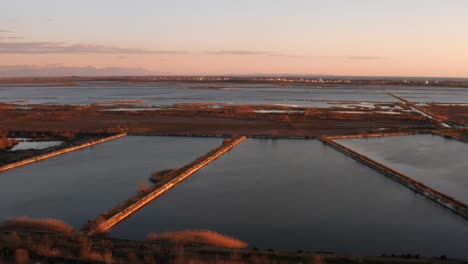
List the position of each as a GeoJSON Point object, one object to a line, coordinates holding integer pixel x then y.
{"type": "Point", "coordinates": [276, 54]}
{"type": "Point", "coordinates": [365, 58]}
{"type": "Point", "coordinates": [65, 48]}
{"type": "Point", "coordinates": [58, 69]}
{"type": "Point", "coordinates": [241, 52]}
{"type": "Point", "coordinates": [256, 52]}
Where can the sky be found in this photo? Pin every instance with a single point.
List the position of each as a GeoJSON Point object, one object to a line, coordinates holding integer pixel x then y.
{"type": "Point", "coordinates": [324, 37]}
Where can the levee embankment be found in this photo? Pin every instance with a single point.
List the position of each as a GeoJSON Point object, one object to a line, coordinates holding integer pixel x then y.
{"type": "Point", "coordinates": [58, 152]}
{"type": "Point", "coordinates": [109, 219]}
{"type": "Point", "coordinates": [221, 135]}
{"type": "Point", "coordinates": [454, 134]}
{"type": "Point", "coordinates": [436, 121]}
{"type": "Point", "coordinates": [441, 198]}
{"type": "Point", "coordinates": [372, 135]}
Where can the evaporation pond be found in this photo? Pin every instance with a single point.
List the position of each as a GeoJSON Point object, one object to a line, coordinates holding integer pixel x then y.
{"type": "Point", "coordinates": [301, 194]}
{"type": "Point", "coordinates": [80, 185]}
{"type": "Point", "coordinates": [439, 163]}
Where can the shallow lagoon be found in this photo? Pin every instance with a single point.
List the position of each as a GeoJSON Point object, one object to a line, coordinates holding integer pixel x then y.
{"type": "Point", "coordinates": [301, 194]}
{"type": "Point", "coordinates": [78, 186]}
{"type": "Point", "coordinates": [165, 94]}
{"type": "Point", "coordinates": [435, 161]}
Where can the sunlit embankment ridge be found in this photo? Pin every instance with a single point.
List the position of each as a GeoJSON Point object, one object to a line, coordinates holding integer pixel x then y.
{"type": "Point", "coordinates": [59, 152]}
{"type": "Point", "coordinates": [439, 197]}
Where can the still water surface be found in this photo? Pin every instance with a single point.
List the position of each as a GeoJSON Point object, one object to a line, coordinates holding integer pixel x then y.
{"type": "Point", "coordinates": [440, 163]}
{"type": "Point", "coordinates": [300, 194]}
{"type": "Point", "coordinates": [164, 94]}
{"type": "Point", "coordinates": [78, 186]}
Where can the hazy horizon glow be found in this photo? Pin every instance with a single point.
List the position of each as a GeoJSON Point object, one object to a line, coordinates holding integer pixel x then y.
{"type": "Point", "coordinates": [329, 37]}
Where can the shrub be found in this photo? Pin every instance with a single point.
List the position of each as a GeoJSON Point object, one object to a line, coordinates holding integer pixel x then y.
{"type": "Point", "coordinates": [198, 237]}
{"type": "Point", "coordinates": [159, 175]}
{"type": "Point", "coordinates": [108, 256]}
{"type": "Point", "coordinates": [149, 259]}
{"type": "Point", "coordinates": [12, 241]}
{"type": "Point", "coordinates": [85, 248]}
{"type": "Point", "coordinates": [6, 143]}
{"type": "Point", "coordinates": [317, 259]}
{"type": "Point", "coordinates": [142, 187]}
{"type": "Point", "coordinates": [45, 247]}
{"type": "Point", "coordinates": [87, 252]}
{"type": "Point", "coordinates": [132, 257]}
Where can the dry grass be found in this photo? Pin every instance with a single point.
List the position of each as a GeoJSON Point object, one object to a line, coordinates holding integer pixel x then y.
{"type": "Point", "coordinates": [46, 224]}
{"type": "Point", "coordinates": [22, 256]}
{"type": "Point", "coordinates": [198, 237]}
{"type": "Point", "coordinates": [6, 143]}
{"type": "Point", "coordinates": [317, 259]}
{"type": "Point", "coordinates": [45, 247]}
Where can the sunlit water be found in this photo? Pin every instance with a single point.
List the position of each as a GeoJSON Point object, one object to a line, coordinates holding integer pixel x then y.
{"type": "Point", "coordinates": [438, 162]}
{"type": "Point", "coordinates": [80, 185]}
{"type": "Point", "coordinates": [300, 194]}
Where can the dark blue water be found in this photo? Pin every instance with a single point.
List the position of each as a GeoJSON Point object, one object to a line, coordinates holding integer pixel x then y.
{"type": "Point", "coordinates": [300, 194]}
{"type": "Point", "coordinates": [80, 185]}
{"type": "Point", "coordinates": [440, 163]}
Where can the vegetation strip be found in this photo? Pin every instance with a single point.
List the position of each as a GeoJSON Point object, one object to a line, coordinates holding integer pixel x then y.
{"type": "Point", "coordinates": [50, 247]}
{"type": "Point", "coordinates": [109, 219]}
{"type": "Point", "coordinates": [441, 198]}
{"type": "Point", "coordinates": [460, 134]}
{"type": "Point", "coordinates": [58, 152]}
{"type": "Point", "coordinates": [373, 135]}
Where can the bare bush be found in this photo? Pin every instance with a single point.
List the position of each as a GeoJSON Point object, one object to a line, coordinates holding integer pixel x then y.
{"type": "Point", "coordinates": [143, 187]}
{"type": "Point", "coordinates": [6, 143]}
{"type": "Point", "coordinates": [87, 252]}
{"type": "Point", "coordinates": [45, 247]}
{"type": "Point", "coordinates": [12, 241]}
{"type": "Point", "coordinates": [132, 257]}
{"type": "Point", "coordinates": [108, 256]}
{"type": "Point", "coordinates": [149, 259]}
{"type": "Point", "coordinates": [85, 248]}
{"type": "Point", "coordinates": [198, 237]}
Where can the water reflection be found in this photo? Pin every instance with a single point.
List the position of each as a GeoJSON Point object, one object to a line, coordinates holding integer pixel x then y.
{"type": "Point", "coordinates": [80, 185]}
{"type": "Point", "coordinates": [435, 161]}
{"type": "Point", "coordinates": [300, 194]}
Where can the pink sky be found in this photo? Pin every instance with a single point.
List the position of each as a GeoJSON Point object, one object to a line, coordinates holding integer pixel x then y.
{"type": "Point", "coordinates": [382, 38]}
